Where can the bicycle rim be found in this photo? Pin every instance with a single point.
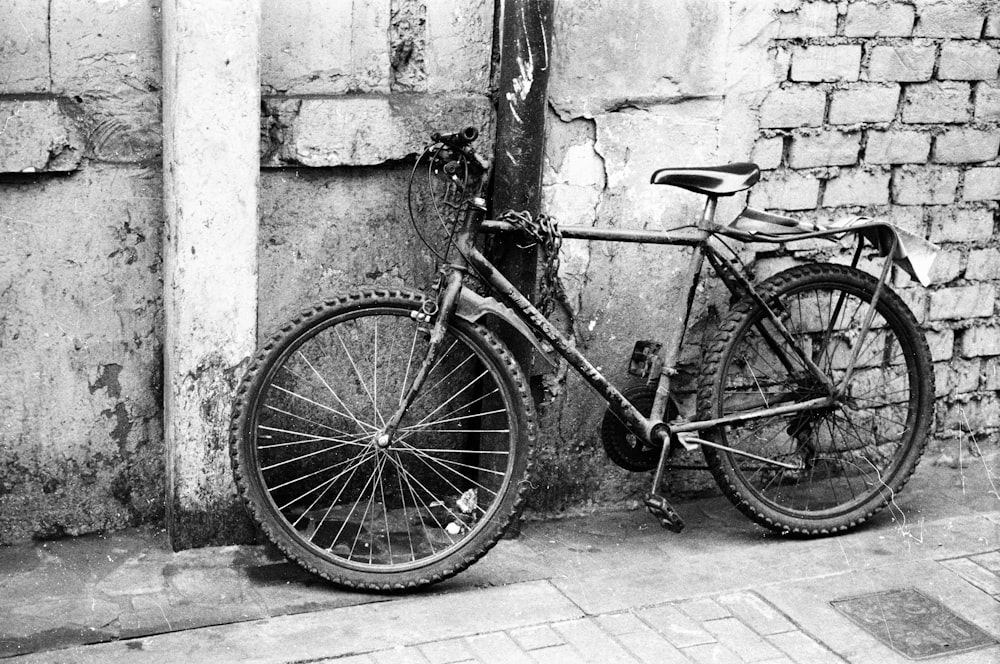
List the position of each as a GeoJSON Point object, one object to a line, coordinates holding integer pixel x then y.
{"type": "Point", "coordinates": [441, 482]}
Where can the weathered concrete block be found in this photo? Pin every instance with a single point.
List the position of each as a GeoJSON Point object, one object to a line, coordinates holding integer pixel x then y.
{"type": "Point", "coordinates": [866, 19]}
{"type": "Point", "coordinates": [793, 107]}
{"type": "Point", "coordinates": [981, 340]}
{"type": "Point", "coordinates": [106, 56]}
{"type": "Point", "coordinates": [992, 28]}
{"type": "Point", "coordinates": [828, 148]}
{"type": "Point", "coordinates": [947, 266]}
{"type": "Point", "coordinates": [987, 102]}
{"type": "Point", "coordinates": [857, 187]}
{"type": "Point", "coordinates": [966, 146]}
{"type": "Point", "coordinates": [991, 374]}
{"type": "Point", "coordinates": [24, 46]}
{"type": "Point", "coordinates": [962, 302]}
{"type": "Point", "coordinates": [864, 104]}
{"type": "Point", "coordinates": [955, 20]}
{"type": "Point", "coordinates": [826, 63]}
{"type": "Point", "coordinates": [457, 60]}
{"type": "Point", "coordinates": [956, 377]}
{"type": "Point", "coordinates": [982, 184]}
{"type": "Point", "coordinates": [111, 47]}
{"type": "Point", "coordinates": [971, 414]}
{"type": "Point", "coordinates": [907, 217]}
{"type": "Point", "coordinates": [903, 62]}
{"type": "Point", "coordinates": [924, 186]}
{"type": "Point", "coordinates": [983, 265]}
{"type": "Point", "coordinates": [963, 61]}
{"type": "Point", "coordinates": [767, 152]}
{"type": "Point", "coordinates": [897, 147]}
{"type": "Point", "coordinates": [38, 136]}
{"type": "Point", "coordinates": [595, 39]}
{"type": "Point", "coordinates": [941, 343]}
{"type": "Point", "coordinates": [813, 19]}
{"type": "Point", "coordinates": [81, 448]}
{"type": "Point", "coordinates": [316, 47]}
{"type": "Point", "coordinates": [950, 224]}
{"type": "Point", "coordinates": [366, 130]}
{"type": "Point", "coordinates": [936, 102]}
{"type": "Point", "coordinates": [786, 190]}
{"type": "Point", "coordinates": [916, 300]}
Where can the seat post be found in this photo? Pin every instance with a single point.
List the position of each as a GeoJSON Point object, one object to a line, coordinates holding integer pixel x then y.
{"type": "Point", "coordinates": [708, 215]}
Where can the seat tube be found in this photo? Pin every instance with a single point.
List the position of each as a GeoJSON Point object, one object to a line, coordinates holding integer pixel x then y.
{"type": "Point", "coordinates": [708, 214]}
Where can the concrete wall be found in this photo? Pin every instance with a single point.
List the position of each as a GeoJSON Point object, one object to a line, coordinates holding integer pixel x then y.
{"type": "Point", "coordinates": [887, 108]}
{"type": "Point", "coordinates": [81, 441]}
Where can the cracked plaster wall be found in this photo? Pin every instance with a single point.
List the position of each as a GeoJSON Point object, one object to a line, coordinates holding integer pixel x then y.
{"type": "Point", "coordinates": [671, 85]}
{"type": "Point", "coordinates": [81, 441]}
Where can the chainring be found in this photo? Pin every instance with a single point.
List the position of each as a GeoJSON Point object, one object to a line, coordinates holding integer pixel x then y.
{"type": "Point", "coordinates": [623, 447]}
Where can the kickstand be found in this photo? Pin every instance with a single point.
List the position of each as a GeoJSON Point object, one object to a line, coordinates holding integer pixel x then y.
{"type": "Point", "coordinates": [656, 503]}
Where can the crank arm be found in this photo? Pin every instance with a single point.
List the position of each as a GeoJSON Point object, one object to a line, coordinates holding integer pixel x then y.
{"type": "Point", "coordinates": [691, 443]}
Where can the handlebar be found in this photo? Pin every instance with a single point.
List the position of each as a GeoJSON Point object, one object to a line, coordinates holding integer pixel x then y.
{"type": "Point", "coordinates": [457, 139]}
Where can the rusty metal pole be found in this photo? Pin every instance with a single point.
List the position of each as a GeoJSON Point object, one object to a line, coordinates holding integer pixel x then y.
{"type": "Point", "coordinates": [524, 40]}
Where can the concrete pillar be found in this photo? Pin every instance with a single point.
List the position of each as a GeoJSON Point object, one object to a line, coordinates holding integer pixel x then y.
{"type": "Point", "coordinates": [211, 110]}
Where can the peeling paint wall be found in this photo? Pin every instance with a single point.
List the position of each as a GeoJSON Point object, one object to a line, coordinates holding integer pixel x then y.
{"type": "Point", "coordinates": [81, 441]}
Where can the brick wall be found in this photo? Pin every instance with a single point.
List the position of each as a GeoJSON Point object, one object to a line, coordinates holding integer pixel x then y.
{"type": "Point", "coordinates": [893, 109]}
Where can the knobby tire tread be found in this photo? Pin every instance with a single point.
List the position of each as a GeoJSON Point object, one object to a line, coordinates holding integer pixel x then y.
{"type": "Point", "coordinates": [300, 324]}
{"type": "Point", "coordinates": [709, 384]}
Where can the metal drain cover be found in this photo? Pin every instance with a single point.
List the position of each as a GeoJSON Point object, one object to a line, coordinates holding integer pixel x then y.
{"type": "Point", "coordinates": [913, 624]}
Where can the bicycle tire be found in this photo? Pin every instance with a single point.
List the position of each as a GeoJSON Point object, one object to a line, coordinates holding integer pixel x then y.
{"type": "Point", "coordinates": [853, 457]}
{"type": "Point", "coordinates": [306, 457]}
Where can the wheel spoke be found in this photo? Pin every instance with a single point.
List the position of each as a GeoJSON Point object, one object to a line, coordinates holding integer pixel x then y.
{"type": "Point", "coordinates": [306, 419]}
{"type": "Point", "coordinates": [356, 462]}
{"type": "Point", "coordinates": [425, 459]}
{"type": "Point", "coordinates": [357, 374]}
{"type": "Point", "coordinates": [310, 447]}
{"type": "Point", "coordinates": [330, 389]}
{"type": "Point", "coordinates": [842, 447]}
{"type": "Point", "coordinates": [325, 407]}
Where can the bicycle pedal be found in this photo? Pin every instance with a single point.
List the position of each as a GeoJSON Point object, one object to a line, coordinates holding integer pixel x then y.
{"type": "Point", "coordinates": [665, 513]}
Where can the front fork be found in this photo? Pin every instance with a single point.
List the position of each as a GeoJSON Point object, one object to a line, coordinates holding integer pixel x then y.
{"type": "Point", "coordinates": [447, 301]}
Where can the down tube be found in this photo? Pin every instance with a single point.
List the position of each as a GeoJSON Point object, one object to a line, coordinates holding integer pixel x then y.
{"type": "Point", "coordinates": [630, 415]}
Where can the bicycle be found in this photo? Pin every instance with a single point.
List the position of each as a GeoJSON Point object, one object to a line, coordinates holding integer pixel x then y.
{"type": "Point", "coordinates": [383, 438]}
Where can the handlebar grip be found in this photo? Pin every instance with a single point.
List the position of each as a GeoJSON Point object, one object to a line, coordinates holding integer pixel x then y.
{"type": "Point", "coordinates": [458, 139]}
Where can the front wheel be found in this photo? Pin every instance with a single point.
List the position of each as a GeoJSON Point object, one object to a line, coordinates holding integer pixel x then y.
{"type": "Point", "coordinates": [843, 462]}
{"type": "Point", "coordinates": [343, 499]}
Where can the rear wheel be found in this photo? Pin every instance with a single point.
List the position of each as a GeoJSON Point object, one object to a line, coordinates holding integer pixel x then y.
{"type": "Point", "coordinates": [849, 459]}
{"type": "Point", "coordinates": [350, 504]}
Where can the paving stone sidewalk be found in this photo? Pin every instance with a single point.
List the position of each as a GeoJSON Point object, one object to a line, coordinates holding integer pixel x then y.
{"type": "Point", "coordinates": [608, 587]}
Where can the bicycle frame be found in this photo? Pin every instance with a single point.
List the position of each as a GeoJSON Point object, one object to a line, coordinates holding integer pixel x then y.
{"type": "Point", "coordinates": [652, 429]}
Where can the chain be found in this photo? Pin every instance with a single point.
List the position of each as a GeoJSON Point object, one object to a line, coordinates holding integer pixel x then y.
{"type": "Point", "coordinates": [544, 233]}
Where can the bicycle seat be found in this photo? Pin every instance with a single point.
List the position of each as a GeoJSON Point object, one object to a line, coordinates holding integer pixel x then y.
{"type": "Point", "coordinates": [710, 180]}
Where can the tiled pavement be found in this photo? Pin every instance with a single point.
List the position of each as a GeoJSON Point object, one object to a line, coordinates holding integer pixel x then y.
{"type": "Point", "coordinates": [736, 627]}
{"type": "Point", "coordinates": [608, 587]}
